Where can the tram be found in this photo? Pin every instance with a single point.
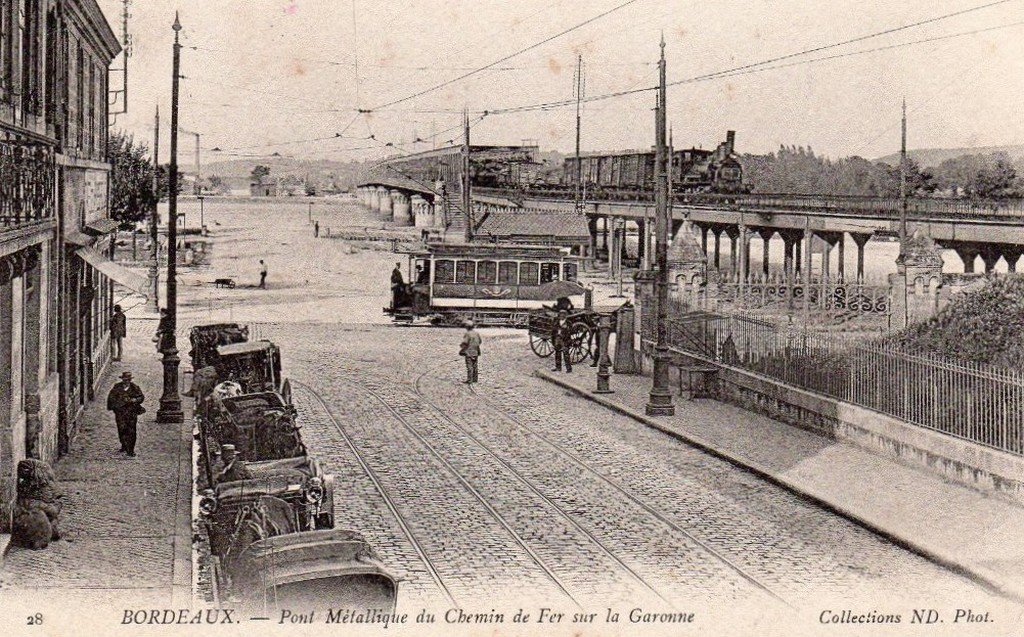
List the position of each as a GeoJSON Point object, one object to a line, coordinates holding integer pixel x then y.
{"type": "Point", "coordinates": [492, 284]}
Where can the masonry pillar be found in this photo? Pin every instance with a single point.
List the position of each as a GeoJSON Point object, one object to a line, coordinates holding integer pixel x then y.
{"type": "Point", "coordinates": [912, 301]}
{"type": "Point", "coordinates": [400, 208]}
{"type": "Point", "coordinates": [387, 205]}
{"type": "Point", "coordinates": [967, 252]}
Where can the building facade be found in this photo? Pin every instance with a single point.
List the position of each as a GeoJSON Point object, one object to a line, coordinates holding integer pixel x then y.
{"type": "Point", "coordinates": [54, 56]}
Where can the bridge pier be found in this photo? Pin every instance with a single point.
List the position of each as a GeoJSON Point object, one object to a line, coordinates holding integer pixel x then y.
{"type": "Point", "coordinates": [830, 239]}
{"type": "Point", "coordinates": [733, 232]}
{"type": "Point", "coordinates": [967, 252]}
{"type": "Point", "coordinates": [1012, 254]}
{"type": "Point", "coordinates": [387, 210]}
{"type": "Point", "coordinates": [422, 212]}
{"type": "Point", "coordinates": [790, 253]}
{"type": "Point", "coordinates": [400, 208]}
{"type": "Point", "coordinates": [990, 255]}
{"type": "Point", "coordinates": [643, 238]}
{"type": "Point", "coordinates": [717, 231]}
{"type": "Point", "coordinates": [861, 240]}
{"type": "Point", "coordinates": [766, 237]}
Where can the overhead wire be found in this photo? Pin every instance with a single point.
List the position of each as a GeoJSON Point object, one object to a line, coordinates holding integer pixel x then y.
{"type": "Point", "coordinates": [757, 67]}
{"type": "Point", "coordinates": [506, 57]}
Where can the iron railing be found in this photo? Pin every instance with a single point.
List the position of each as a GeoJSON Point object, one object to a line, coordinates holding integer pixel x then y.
{"type": "Point", "coordinates": [859, 206]}
{"type": "Point", "coordinates": [970, 401]}
{"type": "Point", "coordinates": [27, 182]}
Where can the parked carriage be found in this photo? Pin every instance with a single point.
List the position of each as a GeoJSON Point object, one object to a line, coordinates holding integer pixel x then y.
{"type": "Point", "coordinates": [583, 326]}
{"type": "Point", "coordinates": [493, 284]}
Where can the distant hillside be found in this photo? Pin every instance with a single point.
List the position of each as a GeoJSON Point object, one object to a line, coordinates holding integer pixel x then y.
{"type": "Point", "coordinates": [932, 157]}
{"type": "Point", "coordinates": [322, 172]}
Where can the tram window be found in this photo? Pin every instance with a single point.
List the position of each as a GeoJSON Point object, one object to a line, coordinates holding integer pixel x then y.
{"type": "Point", "coordinates": [569, 271]}
{"type": "Point", "coordinates": [528, 273]}
{"type": "Point", "coordinates": [465, 272]}
{"type": "Point", "coordinates": [444, 271]}
{"type": "Point", "coordinates": [487, 272]}
{"type": "Point", "coordinates": [507, 272]}
{"type": "Point", "coordinates": [549, 272]}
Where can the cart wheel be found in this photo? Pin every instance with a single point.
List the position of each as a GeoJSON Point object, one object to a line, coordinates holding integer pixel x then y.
{"type": "Point", "coordinates": [579, 346]}
{"type": "Point", "coordinates": [541, 345]}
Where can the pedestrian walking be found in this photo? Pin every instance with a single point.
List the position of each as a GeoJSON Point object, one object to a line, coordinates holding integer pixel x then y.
{"type": "Point", "coordinates": [560, 339]}
{"type": "Point", "coordinates": [470, 349]}
{"type": "Point", "coordinates": [118, 330]}
{"type": "Point", "coordinates": [263, 275]}
{"type": "Point", "coordinates": [125, 400]}
{"type": "Point", "coordinates": [316, 229]}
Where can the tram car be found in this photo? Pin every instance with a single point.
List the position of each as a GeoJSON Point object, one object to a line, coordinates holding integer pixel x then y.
{"type": "Point", "coordinates": [492, 284]}
{"type": "Point", "coordinates": [692, 170]}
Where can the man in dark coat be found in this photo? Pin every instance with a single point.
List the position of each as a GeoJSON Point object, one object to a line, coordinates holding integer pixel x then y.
{"type": "Point", "coordinates": [118, 330]}
{"type": "Point", "coordinates": [125, 400]}
{"type": "Point", "coordinates": [397, 286]}
{"type": "Point", "coordinates": [234, 469]}
{"type": "Point", "coordinates": [560, 339]}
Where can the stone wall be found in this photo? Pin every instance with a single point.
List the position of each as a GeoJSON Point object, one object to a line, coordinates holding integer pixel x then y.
{"type": "Point", "coordinates": [964, 462]}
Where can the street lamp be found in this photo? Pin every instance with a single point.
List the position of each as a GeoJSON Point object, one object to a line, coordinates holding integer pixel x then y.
{"type": "Point", "coordinates": [660, 400]}
{"type": "Point", "coordinates": [170, 402]}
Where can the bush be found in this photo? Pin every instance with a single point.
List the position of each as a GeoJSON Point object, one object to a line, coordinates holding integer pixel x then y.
{"type": "Point", "coordinates": [983, 326]}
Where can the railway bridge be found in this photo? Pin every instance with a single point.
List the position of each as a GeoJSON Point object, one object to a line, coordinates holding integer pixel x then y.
{"type": "Point", "coordinates": [991, 229]}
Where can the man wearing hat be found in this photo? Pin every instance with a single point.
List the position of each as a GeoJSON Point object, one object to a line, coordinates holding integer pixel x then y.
{"type": "Point", "coordinates": [125, 400]}
{"type": "Point", "coordinates": [234, 469]}
{"type": "Point", "coordinates": [470, 348]}
{"type": "Point", "coordinates": [560, 339]}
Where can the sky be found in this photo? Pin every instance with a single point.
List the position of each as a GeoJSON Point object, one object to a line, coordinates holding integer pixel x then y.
{"type": "Point", "coordinates": [287, 76]}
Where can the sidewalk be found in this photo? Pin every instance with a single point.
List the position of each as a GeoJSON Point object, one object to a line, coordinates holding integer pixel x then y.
{"type": "Point", "coordinates": [126, 521]}
{"type": "Point", "coordinates": [963, 529]}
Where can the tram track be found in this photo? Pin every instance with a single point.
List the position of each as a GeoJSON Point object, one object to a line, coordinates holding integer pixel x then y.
{"type": "Point", "coordinates": [379, 486]}
{"type": "Point", "coordinates": [738, 570]}
{"type": "Point", "coordinates": [395, 509]}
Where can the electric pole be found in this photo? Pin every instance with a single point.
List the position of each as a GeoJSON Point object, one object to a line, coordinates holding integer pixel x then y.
{"type": "Point", "coordinates": [660, 399]}
{"type": "Point", "coordinates": [467, 198]}
{"type": "Point", "coordinates": [903, 179]}
{"type": "Point", "coordinates": [170, 402]}
{"type": "Point", "coordinates": [579, 165]}
{"type": "Point", "coordinates": [154, 218]}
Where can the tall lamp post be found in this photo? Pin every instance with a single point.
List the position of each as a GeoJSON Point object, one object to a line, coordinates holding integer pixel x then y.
{"type": "Point", "coordinates": [170, 402]}
{"type": "Point", "coordinates": [660, 400]}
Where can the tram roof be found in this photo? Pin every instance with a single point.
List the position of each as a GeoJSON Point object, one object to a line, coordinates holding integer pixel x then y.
{"type": "Point", "coordinates": [502, 250]}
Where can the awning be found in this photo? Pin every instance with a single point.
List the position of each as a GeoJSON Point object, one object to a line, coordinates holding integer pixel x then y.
{"type": "Point", "coordinates": [116, 272]}
{"type": "Point", "coordinates": [101, 226]}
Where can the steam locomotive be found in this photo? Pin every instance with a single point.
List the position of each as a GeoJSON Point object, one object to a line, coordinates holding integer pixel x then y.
{"type": "Point", "coordinates": [692, 170]}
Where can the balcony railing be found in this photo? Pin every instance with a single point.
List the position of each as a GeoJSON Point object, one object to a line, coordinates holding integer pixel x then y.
{"type": "Point", "coordinates": [27, 182]}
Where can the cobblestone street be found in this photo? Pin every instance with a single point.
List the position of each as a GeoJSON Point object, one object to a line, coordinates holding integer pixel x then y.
{"type": "Point", "coordinates": [517, 492]}
{"type": "Point", "coordinates": [514, 487]}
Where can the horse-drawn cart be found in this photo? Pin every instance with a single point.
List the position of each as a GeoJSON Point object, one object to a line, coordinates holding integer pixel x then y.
{"type": "Point", "coordinates": [583, 328]}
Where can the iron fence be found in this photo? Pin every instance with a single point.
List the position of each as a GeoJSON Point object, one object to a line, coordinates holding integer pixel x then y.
{"type": "Point", "coordinates": [974, 402]}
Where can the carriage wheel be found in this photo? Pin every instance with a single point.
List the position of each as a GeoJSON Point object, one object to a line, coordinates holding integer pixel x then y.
{"type": "Point", "coordinates": [579, 345]}
{"type": "Point", "coordinates": [541, 345]}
